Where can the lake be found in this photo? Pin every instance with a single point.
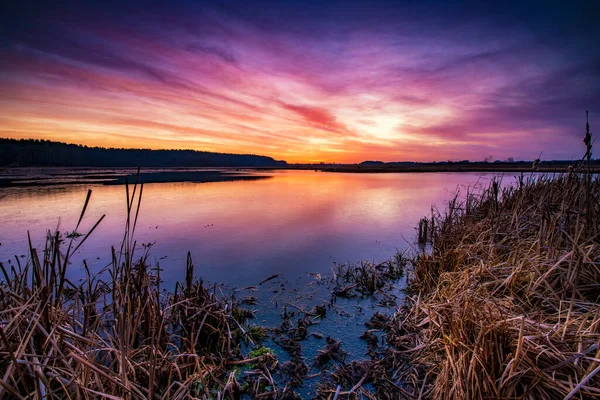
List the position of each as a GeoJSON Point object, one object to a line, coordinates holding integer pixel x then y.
{"type": "Point", "coordinates": [239, 232]}
{"type": "Point", "coordinates": [297, 224]}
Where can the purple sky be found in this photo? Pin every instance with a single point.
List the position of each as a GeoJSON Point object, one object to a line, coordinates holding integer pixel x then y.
{"type": "Point", "coordinates": [305, 81]}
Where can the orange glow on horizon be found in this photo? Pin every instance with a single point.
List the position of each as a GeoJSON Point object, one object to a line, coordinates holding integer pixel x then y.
{"type": "Point", "coordinates": [212, 80]}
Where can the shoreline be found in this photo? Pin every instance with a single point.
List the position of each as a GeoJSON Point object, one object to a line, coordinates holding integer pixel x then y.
{"type": "Point", "coordinates": [507, 303]}
{"type": "Point", "coordinates": [496, 272]}
{"type": "Point", "coordinates": [45, 177]}
{"type": "Point", "coordinates": [54, 176]}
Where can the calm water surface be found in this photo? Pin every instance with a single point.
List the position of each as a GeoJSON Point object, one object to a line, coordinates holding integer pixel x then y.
{"type": "Point", "coordinates": [295, 223]}
{"type": "Point", "coordinates": [240, 232]}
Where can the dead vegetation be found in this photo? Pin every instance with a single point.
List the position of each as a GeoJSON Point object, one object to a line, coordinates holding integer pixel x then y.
{"type": "Point", "coordinates": [118, 334]}
{"type": "Point", "coordinates": [366, 279]}
{"type": "Point", "coordinates": [506, 303]}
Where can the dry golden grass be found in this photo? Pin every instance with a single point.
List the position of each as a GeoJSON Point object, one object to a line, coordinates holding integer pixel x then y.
{"type": "Point", "coordinates": [506, 303]}
{"type": "Point", "coordinates": [119, 336]}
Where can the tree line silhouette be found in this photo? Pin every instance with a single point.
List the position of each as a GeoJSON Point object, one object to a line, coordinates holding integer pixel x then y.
{"type": "Point", "coordinates": [34, 152]}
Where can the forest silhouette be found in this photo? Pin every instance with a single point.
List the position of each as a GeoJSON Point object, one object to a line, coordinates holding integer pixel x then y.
{"type": "Point", "coordinates": [33, 152]}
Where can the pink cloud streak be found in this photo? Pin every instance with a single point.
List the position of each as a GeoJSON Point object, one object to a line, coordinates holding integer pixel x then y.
{"type": "Point", "coordinates": [233, 86]}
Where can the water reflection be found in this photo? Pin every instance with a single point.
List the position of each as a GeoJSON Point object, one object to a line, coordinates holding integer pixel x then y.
{"type": "Point", "coordinates": [240, 232]}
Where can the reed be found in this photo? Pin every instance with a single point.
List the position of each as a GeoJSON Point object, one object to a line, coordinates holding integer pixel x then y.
{"type": "Point", "coordinates": [365, 278]}
{"type": "Point", "coordinates": [505, 304]}
{"type": "Point", "coordinates": [117, 334]}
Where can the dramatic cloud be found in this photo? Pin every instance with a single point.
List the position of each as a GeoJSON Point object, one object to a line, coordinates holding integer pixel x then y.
{"type": "Point", "coordinates": [306, 81]}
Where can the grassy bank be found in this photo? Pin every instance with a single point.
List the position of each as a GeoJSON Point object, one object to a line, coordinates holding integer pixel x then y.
{"type": "Point", "coordinates": [506, 303]}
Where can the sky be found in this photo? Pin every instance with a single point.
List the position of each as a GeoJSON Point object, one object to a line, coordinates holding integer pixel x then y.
{"type": "Point", "coordinates": [305, 81]}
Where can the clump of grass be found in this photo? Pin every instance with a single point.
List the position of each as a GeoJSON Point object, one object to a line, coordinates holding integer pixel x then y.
{"type": "Point", "coordinates": [366, 278]}
{"type": "Point", "coordinates": [116, 334]}
{"type": "Point", "coordinates": [258, 333]}
{"type": "Point", "coordinates": [260, 355]}
{"type": "Point", "coordinates": [296, 372]}
{"type": "Point", "coordinates": [507, 302]}
{"type": "Point", "coordinates": [259, 351]}
{"type": "Point", "coordinates": [331, 352]}
{"type": "Point", "coordinates": [368, 379]}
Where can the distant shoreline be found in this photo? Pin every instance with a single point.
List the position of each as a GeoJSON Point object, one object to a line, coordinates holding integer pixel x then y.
{"type": "Point", "coordinates": [53, 176]}
{"type": "Point", "coordinates": [41, 177]}
{"type": "Point", "coordinates": [450, 168]}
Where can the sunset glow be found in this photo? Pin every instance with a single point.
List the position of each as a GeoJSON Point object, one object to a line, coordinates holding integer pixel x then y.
{"type": "Point", "coordinates": [304, 82]}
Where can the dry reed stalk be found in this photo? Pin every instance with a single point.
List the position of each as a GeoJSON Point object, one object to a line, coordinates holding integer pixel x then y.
{"type": "Point", "coordinates": [506, 304]}
{"type": "Point", "coordinates": [116, 335]}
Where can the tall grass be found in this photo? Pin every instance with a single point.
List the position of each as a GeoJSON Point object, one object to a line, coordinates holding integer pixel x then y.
{"type": "Point", "coordinates": [117, 334]}
{"type": "Point", "coordinates": [506, 303]}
